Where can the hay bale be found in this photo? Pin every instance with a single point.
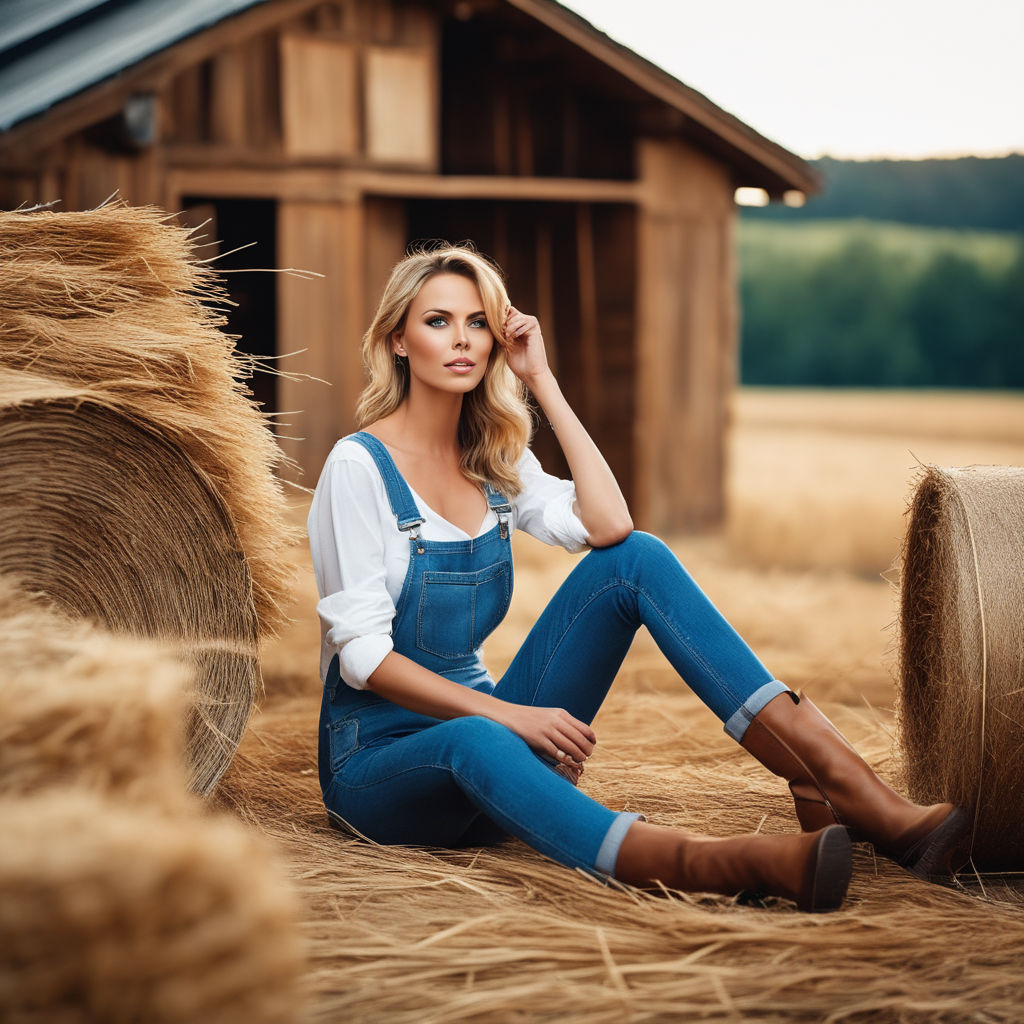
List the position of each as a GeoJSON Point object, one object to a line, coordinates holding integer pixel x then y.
{"type": "Point", "coordinates": [81, 707]}
{"type": "Point", "coordinates": [117, 524]}
{"type": "Point", "coordinates": [112, 303]}
{"type": "Point", "coordinates": [962, 652]}
{"type": "Point", "coordinates": [113, 913]}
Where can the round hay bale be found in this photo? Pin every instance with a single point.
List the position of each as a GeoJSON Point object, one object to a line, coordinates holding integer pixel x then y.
{"type": "Point", "coordinates": [112, 912]}
{"type": "Point", "coordinates": [113, 303]}
{"type": "Point", "coordinates": [962, 652]}
{"type": "Point", "coordinates": [79, 706]}
{"type": "Point", "coordinates": [115, 524]}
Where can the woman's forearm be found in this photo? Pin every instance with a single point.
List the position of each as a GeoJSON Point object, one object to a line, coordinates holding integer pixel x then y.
{"type": "Point", "coordinates": [551, 731]}
{"type": "Point", "coordinates": [600, 505]}
{"type": "Point", "coordinates": [412, 686]}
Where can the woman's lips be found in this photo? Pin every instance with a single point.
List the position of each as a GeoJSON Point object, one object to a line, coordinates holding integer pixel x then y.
{"type": "Point", "coordinates": [460, 366]}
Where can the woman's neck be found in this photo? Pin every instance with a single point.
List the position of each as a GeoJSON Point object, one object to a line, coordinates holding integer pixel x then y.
{"type": "Point", "coordinates": [426, 423]}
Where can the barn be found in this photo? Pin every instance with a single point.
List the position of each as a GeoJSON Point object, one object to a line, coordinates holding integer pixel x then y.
{"type": "Point", "coordinates": [331, 133]}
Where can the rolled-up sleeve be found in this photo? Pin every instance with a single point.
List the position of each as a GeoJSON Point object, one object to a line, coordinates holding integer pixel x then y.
{"type": "Point", "coordinates": [347, 545]}
{"type": "Point", "coordinates": [544, 507]}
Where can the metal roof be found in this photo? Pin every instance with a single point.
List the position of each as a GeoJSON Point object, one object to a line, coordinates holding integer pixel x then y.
{"type": "Point", "coordinates": [52, 49]}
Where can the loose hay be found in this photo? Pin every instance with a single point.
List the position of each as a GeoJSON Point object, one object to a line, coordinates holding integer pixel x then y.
{"type": "Point", "coordinates": [502, 935]}
{"type": "Point", "coordinates": [962, 652]}
{"type": "Point", "coordinates": [81, 707]}
{"type": "Point", "coordinates": [111, 302]}
{"type": "Point", "coordinates": [119, 914]}
{"type": "Point", "coordinates": [408, 935]}
{"type": "Point", "coordinates": [116, 524]}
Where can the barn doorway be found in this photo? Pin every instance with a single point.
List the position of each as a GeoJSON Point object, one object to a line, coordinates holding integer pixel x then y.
{"type": "Point", "coordinates": [230, 225]}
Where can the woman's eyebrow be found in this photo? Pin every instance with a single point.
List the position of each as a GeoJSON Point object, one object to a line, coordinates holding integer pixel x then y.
{"type": "Point", "coordinates": [445, 312]}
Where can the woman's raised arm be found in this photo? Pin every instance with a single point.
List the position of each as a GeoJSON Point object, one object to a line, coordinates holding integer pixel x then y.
{"type": "Point", "coordinates": [599, 502]}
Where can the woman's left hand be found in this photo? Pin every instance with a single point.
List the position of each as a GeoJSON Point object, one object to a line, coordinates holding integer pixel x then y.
{"type": "Point", "coordinates": [524, 346]}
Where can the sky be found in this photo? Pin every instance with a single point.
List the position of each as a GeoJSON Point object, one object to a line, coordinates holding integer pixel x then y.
{"type": "Point", "coordinates": [900, 78]}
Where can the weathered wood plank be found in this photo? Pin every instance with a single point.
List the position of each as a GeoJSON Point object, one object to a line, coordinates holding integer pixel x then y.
{"type": "Point", "coordinates": [685, 338]}
{"type": "Point", "coordinates": [322, 319]}
{"type": "Point", "coordinates": [400, 88]}
{"type": "Point", "coordinates": [319, 97]}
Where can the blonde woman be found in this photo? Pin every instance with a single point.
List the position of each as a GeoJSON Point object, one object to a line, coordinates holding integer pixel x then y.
{"type": "Point", "coordinates": [410, 530]}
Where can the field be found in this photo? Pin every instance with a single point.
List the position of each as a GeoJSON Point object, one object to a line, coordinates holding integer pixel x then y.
{"type": "Point", "coordinates": [818, 485]}
{"type": "Point", "coordinates": [763, 242]}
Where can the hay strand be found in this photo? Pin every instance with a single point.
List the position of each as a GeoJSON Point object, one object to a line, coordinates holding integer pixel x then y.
{"type": "Point", "coordinates": [118, 525]}
{"type": "Point", "coordinates": [962, 652]}
{"type": "Point", "coordinates": [111, 302]}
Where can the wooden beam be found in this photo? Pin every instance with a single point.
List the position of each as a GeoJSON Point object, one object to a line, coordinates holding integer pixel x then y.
{"type": "Point", "coordinates": [685, 339]}
{"type": "Point", "coordinates": [326, 183]}
{"type": "Point", "coordinates": [458, 186]}
{"type": "Point", "coordinates": [297, 184]}
{"type": "Point", "coordinates": [322, 321]}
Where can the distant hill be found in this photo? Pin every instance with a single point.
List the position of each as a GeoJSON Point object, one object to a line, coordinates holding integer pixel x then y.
{"type": "Point", "coordinates": [983, 193]}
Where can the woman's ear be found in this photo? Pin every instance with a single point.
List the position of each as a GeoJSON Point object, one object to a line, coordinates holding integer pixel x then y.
{"type": "Point", "coordinates": [396, 341]}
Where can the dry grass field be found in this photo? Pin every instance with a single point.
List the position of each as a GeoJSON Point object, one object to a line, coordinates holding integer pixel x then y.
{"type": "Point", "coordinates": [818, 485]}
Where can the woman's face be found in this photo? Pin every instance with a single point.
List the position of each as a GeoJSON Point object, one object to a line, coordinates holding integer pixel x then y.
{"type": "Point", "coordinates": [445, 335]}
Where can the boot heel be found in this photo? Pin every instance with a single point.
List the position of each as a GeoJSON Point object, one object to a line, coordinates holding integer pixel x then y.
{"type": "Point", "coordinates": [937, 856]}
{"type": "Point", "coordinates": [833, 865]}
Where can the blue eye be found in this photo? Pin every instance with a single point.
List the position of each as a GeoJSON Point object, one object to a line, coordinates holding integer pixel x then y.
{"type": "Point", "coordinates": [480, 322]}
{"type": "Point", "coordinates": [437, 321]}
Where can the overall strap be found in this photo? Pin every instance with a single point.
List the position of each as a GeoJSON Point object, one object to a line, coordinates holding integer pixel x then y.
{"type": "Point", "coordinates": [500, 506]}
{"type": "Point", "coordinates": [402, 503]}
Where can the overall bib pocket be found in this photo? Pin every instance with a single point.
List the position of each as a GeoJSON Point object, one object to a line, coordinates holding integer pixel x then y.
{"type": "Point", "coordinates": [458, 610]}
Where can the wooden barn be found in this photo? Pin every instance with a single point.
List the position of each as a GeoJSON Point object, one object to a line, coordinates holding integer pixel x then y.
{"type": "Point", "coordinates": [334, 132]}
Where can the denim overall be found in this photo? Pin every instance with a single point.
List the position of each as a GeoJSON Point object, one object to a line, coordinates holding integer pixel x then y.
{"type": "Point", "coordinates": [396, 776]}
{"type": "Point", "coordinates": [455, 593]}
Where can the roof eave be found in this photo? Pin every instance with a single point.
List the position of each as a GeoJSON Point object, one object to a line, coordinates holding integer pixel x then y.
{"type": "Point", "coordinates": [782, 169]}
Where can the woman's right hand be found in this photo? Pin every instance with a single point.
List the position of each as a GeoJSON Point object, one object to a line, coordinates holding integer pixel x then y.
{"type": "Point", "coordinates": [550, 731]}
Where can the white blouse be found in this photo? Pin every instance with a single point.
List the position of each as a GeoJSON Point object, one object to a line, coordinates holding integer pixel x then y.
{"type": "Point", "coordinates": [361, 558]}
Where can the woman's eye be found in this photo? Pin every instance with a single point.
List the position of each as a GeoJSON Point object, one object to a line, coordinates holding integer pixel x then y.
{"type": "Point", "coordinates": [479, 322]}
{"type": "Point", "coordinates": [436, 321]}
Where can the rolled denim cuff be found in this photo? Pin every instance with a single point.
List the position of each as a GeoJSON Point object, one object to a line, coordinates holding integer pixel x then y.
{"type": "Point", "coordinates": [752, 706]}
{"type": "Point", "coordinates": [608, 854]}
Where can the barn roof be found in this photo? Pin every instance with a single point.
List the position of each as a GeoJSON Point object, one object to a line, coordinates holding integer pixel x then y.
{"type": "Point", "coordinates": [51, 50]}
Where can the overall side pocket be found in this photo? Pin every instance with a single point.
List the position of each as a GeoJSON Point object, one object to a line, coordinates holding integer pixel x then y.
{"type": "Point", "coordinates": [343, 740]}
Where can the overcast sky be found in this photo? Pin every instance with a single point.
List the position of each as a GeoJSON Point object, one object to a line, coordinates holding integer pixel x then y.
{"type": "Point", "coordinates": [899, 78]}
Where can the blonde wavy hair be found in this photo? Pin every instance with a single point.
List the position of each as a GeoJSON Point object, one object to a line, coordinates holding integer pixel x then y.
{"type": "Point", "coordinates": [495, 423]}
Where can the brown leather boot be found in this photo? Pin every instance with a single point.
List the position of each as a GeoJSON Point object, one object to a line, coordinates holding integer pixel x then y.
{"type": "Point", "coordinates": [831, 783]}
{"type": "Point", "coordinates": [811, 870]}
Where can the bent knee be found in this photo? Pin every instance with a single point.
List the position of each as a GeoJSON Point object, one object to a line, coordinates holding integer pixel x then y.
{"type": "Point", "coordinates": [637, 546]}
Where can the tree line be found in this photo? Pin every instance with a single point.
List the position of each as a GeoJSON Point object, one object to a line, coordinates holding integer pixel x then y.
{"type": "Point", "coordinates": [862, 316]}
{"type": "Point", "coordinates": [985, 193]}
{"type": "Point", "coordinates": [831, 301]}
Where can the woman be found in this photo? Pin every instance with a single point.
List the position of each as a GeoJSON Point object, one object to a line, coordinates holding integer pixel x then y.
{"type": "Point", "coordinates": [410, 531]}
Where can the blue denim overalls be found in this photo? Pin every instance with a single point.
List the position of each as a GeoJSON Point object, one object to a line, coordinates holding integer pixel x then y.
{"type": "Point", "coordinates": [396, 776]}
{"type": "Point", "coordinates": [454, 595]}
